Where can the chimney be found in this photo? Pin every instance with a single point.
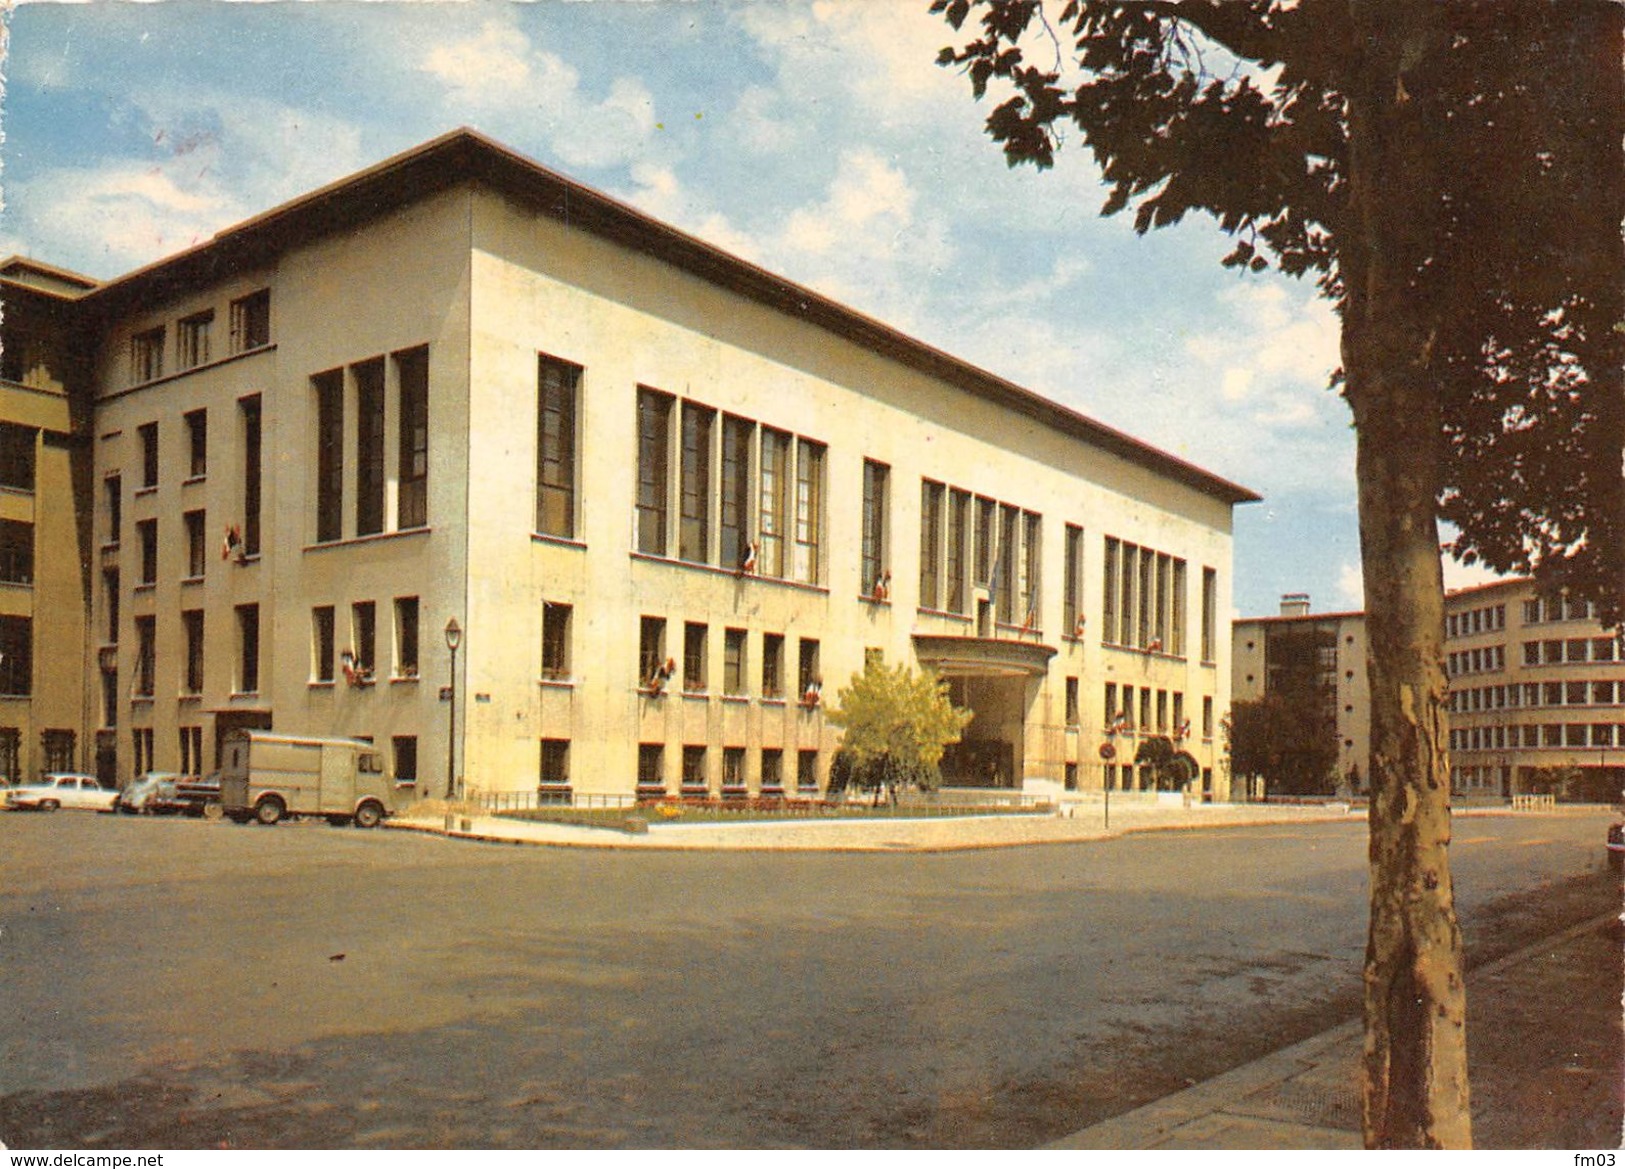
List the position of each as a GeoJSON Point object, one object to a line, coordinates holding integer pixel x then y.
{"type": "Point", "coordinates": [1294, 604]}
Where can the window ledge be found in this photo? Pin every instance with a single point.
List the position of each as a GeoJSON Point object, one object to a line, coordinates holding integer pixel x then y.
{"type": "Point", "coordinates": [190, 696]}
{"type": "Point", "coordinates": [191, 479]}
{"type": "Point", "coordinates": [369, 538]}
{"type": "Point", "coordinates": [732, 574]}
{"type": "Point", "coordinates": [146, 489]}
{"type": "Point", "coordinates": [17, 584]}
{"type": "Point", "coordinates": [322, 684]}
{"type": "Point", "coordinates": [396, 678]}
{"type": "Point", "coordinates": [145, 586]}
{"type": "Point", "coordinates": [926, 611]}
{"type": "Point", "coordinates": [236, 694]}
{"type": "Point", "coordinates": [558, 683]}
{"type": "Point", "coordinates": [180, 373]}
{"type": "Point", "coordinates": [140, 700]}
{"type": "Point", "coordinates": [737, 699]}
{"type": "Point", "coordinates": [773, 700]}
{"type": "Point", "coordinates": [559, 541]}
{"type": "Point", "coordinates": [192, 580]}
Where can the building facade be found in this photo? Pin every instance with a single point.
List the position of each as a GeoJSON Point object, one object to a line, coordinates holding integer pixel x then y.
{"type": "Point", "coordinates": [668, 501]}
{"type": "Point", "coordinates": [1318, 659]}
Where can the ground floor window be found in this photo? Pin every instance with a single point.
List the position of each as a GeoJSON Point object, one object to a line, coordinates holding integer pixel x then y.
{"type": "Point", "coordinates": [56, 749]}
{"type": "Point", "coordinates": [807, 770]}
{"type": "Point", "coordinates": [651, 766]}
{"type": "Point", "coordinates": [405, 750]}
{"type": "Point", "coordinates": [556, 763]}
{"type": "Point", "coordinates": [694, 779]}
{"type": "Point", "coordinates": [11, 744]}
{"type": "Point", "coordinates": [772, 769]}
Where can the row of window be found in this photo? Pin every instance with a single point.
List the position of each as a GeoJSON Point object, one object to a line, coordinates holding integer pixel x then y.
{"type": "Point", "coordinates": [18, 456]}
{"type": "Point", "coordinates": [1154, 713]}
{"type": "Point", "coordinates": [250, 328]}
{"type": "Point", "coordinates": [973, 543]}
{"type": "Point", "coordinates": [1487, 619]}
{"type": "Point", "coordinates": [1569, 651]}
{"type": "Point", "coordinates": [1489, 659]}
{"type": "Point", "coordinates": [1542, 736]}
{"type": "Point", "coordinates": [1557, 608]}
{"type": "Point", "coordinates": [359, 659]}
{"type": "Point", "coordinates": [364, 389]}
{"type": "Point", "coordinates": [56, 753]}
{"type": "Point", "coordinates": [193, 762]}
{"type": "Point", "coordinates": [1526, 695]}
{"type": "Point", "coordinates": [656, 668]}
{"type": "Point", "coordinates": [694, 776]}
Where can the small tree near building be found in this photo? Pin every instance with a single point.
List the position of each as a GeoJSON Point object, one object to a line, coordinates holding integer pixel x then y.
{"type": "Point", "coordinates": [897, 723]}
{"type": "Point", "coordinates": [1293, 748]}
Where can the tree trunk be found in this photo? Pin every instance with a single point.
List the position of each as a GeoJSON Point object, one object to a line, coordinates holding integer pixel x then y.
{"type": "Point", "coordinates": [1415, 1001]}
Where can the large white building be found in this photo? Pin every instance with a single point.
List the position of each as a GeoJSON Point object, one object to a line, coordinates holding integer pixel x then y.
{"type": "Point", "coordinates": [670, 500]}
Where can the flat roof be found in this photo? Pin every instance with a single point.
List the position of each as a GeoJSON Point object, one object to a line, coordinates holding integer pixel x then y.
{"type": "Point", "coordinates": [466, 155]}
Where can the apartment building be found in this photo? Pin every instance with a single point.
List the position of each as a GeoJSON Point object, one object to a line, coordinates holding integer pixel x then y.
{"type": "Point", "coordinates": [459, 443]}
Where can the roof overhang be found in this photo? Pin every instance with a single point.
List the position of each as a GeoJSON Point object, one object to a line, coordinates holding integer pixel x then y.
{"type": "Point", "coordinates": [982, 657]}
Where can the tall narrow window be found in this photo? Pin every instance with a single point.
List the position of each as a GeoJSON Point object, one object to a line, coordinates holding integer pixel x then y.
{"type": "Point", "coordinates": [321, 643]}
{"type": "Point", "coordinates": [17, 655]}
{"type": "Point", "coordinates": [197, 442]}
{"type": "Point", "coordinates": [251, 321]}
{"type": "Point", "coordinates": [148, 435]}
{"type": "Point", "coordinates": [110, 591]}
{"type": "Point", "coordinates": [876, 477]}
{"type": "Point", "coordinates": [930, 542]}
{"type": "Point", "coordinates": [772, 521]}
{"type": "Point", "coordinates": [1109, 594]}
{"type": "Point", "coordinates": [736, 436]}
{"type": "Point", "coordinates": [16, 552]}
{"type": "Point", "coordinates": [412, 471]}
{"type": "Point", "coordinates": [146, 532]}
{"type": "Point", "coordinates": [558, 385]}
{"type": "Point", "coordinates": [809, 511]}
{"type": "Point", "coordinates": [772, 770]}
{"type": "Point", "coordinates": [985, 509]}
{"type": "Point", "coordinates": [1159, 632]}
{"type": "Point", "coordinates": [694, 526]}
{"type": "Point", "coordinates": [1032, 571]}
{"type": "Point", "coordinates": [1005, 573]}
{"type": "Point", "coordinates": [191, 750]}
{"type": "Point", "coordinates": [1176, 626]}
{"type": "Point", "coordinates": [555, 763]}
{"type": "Point", "coordinates": [772, 665]}
{"type": "Point", "coordinates": [197, 557]}
{"type": "Point", "coordinates": [192, 339]}
{"type": "Point", "coordinates": [652, 766]}
{"type": "Point", "coordinates": [17, 456]}
{"type": "Point", "coordinates": [956, 567]}
{"type": "Point", "coordinates": [147, 356]}
{"type": "Point", "coordinates": [694, 768]}
{"type": "Point", "coordinates": [696, 640]}
{"type": "Point", "coordinates": [555, 641]}
{"type": "Point", "coordinates": [1072, 702]}
{"type": "Point", "coordinates": [807, 770]}
{"type": "Point", "coordinates": [369, 451]}
{"type": "Point", "coordinates": [192, 624]}
{"type": "Point", "coordinates": [113, 498]}
{"type": "Point", "coordinates": [1210, 614]}
{"type": "Point", "coordinates": [329, 390]}
{"type": "Point", "coordinates": [406, 637]}
{"type": "Point", "coordinates": [811, 678]}
{"type": "Point", "coordinates": [248, 649]}
{"type": "Point", "coordinates": [364, 636]}
{"type": "Point", "coordinates": [1072, 585]}
{"type": "Point", "coordinates": [1147, 596]}
{"type": "Point", "coordinates": [733, 662]}
{"type": "Point", "coordinates": [404, 748]}
{"type": "Point", "coordinates": [250, 410]}
{"type": "Point", "coordinates": [1130, 581]}
{"type": "Point", "coordinates": [654, 444]}
{"type": "Point", "coordinates": [652, 671]}
{"type": "Point", "coordinates": [146, 644]}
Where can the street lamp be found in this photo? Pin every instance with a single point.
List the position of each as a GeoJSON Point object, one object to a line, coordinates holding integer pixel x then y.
{"type": "Point", "coordinates": [454, 638]}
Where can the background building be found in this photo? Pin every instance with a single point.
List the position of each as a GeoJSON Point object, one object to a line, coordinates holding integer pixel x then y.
{"type": "Point", "coordinates": [669, 501]}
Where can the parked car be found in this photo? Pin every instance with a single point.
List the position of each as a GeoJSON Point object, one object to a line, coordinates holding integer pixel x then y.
{"type": "Point", "coordinates": [152, 793]}
{"type": "Point", "coordinates": [1616, 844]}
{"type": "Point", "coordinates": [60, 790]}
{"type": "Point", "coordinates": [199, 796]}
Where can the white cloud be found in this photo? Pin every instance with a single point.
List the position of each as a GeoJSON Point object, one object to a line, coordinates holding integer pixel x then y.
{"type": "Point", "coordinates": [1350, 587]}
{"type": "Point", "coordinates": [489, 68]}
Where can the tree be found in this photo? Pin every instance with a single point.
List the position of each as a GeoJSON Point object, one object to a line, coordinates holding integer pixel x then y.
{"type": "Point", "coordinates": [897, 723]}
{"type": "Point", "coordinates": [1171, 768]}
{"type": "Point", "coordinates": [1451, 174]}
{"type": "Point", "coordinates": [1294, 749]}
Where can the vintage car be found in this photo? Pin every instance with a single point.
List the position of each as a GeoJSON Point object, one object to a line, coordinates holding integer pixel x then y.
{"type": "Point", "coordinates": [60, 790]}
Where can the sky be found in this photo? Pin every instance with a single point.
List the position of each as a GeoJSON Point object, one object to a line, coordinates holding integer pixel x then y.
{"type": "Point", "coordinates": [817, 138]}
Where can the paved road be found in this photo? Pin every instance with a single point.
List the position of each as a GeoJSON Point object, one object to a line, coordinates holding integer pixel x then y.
{"type": "Point", "coordinates": [174, 983]}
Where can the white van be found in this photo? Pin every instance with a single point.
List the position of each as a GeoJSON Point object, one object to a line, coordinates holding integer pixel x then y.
{"type": "Point", "coordinates": [268, 777]}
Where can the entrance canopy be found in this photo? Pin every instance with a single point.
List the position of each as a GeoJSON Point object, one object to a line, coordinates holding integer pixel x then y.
{"type": "Point", "coordinates": [982, 657]}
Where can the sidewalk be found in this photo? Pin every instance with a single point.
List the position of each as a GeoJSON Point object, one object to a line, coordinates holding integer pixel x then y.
{"type": "Point", "coordinates": [1544, 1065]}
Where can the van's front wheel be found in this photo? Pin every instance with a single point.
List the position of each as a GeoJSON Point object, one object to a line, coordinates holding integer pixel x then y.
{"type": "Point", "coordinates": [368, 815]}
{"type": "Point", "coordinates": [269, 810]}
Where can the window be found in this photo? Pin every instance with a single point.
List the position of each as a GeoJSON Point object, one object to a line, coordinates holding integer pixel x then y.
{"type": "Point", "coordinates": [695, 638]}
{"type": "Point", "coordinates": [251, 321]}
{"type": "Point", "coordinates": [369, 447]}
{"type": "Point", "coordinates": [113, 499]}
{"type": "Point", "coordinates": [1176, 631]}
{"type": "Point", "coordinates": [141, 742]}
{"type": "Point", "coordinates": [147, 356]}
{"type": "Point", "coordinates": [249, 408]}
{"type": "Point", "coordinates": [197, 442]}
{"type": "Point", "coordinates": [772, 665]}
{"type": "Point", "coordinates": [985, 510]}
{"type": "Point", "coordinates": [1147, 598]}
{"type": "Point", "coordinates": [1071, 702]}
{"type": "Point", "coordinates": [876, 477]}
{"type": "Point", "coordinates": [652, 671]}
{"type": "Point", "coordinates": [196, 554]}
{"type": "Point", "coordinates": [191, 750]}
{"type": "Point", "coordinates": [772, 770]}
{"type": "Point", "coordinates": [329, 390]}
{"type": "Point", "coordinates": [555, 641]}
{"type": "Point", "coordinates": [192, 339]}
{"type": "Point", "coordinates": [930, 541]}
{"type": "Point", "coordinates": [1108, 609]}
{"type": "Point", "coordinates": [1159, 630]}
{"type": "Point", "coordinates": [694, 521]}
{"type": "Point", "coordinates": [1072, 585]}
{"type": "Point", "coordinates": [192, 623]}
{"type": "Point", "coordinates": [17, 450]}
{"type": "Point", "coordinates": [16, 552]}
{"type": "Point", "coordinates": [555, 763]}
{"type": "Point", "coordinates": [694, 778]}
{"type": "Point", "coordinates": [809, 511]}
{"type": "Point", "coordinates": [652, 765]}
{"type": "Point", "coordinates": [56, 750]}
{"type": "Point", "coordinates": [771, 520]}
{"type": "Point", "coordinates": [1005, 569]}
{"type": "Point", "coordinates": [404, 751]}
{"type": "Point", "coordinates": [1207, 717]}
{"type": "Point", "coordinates": [364, 636]}
{"type": "Point", "coordinates": [248, 649]}
{"type": "Point", "coordinates": [736, 438]}
{"type": "Point", "coordinates": [149, 454]}
{"type": "Point", "coordinates": [10, 754]}
{"type": "Point", "coordinates": [110, 583]}
{"type": "Point", "coordinates": [654, 440]}
{"type": "Point", "coordinates": [1032, 548]}
{"type": "Point", "coordinates": [958, 519]}
{"type": "Point", "coordinates": [145, 651]}
{"type": "Point", "coordinates": [406, 637]}
{"type": "Point", "coordinates": [16, 656]}
{"type": "Point", "coordinates": [558, 384]}
{"type": "Point", "coordinates": [321, 643]}
{"type": "Point", "coordinates": [146, 532]}
{"type": "Point", "coordinates": [733, 769]}
{"type": "Point", "coordinates": [807, 770]}
{"type": "Point", "coordinates": [733, 662]}
{"type": "Point", "coordinates": [811, 681]}
{"type": "Point", "coordinates": [1210, 613]}
{"type": "Point", "coordinates": [412, 469]}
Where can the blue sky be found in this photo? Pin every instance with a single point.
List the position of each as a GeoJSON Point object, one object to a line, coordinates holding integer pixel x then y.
{"type": "Point", "coordinates": [814, 137]}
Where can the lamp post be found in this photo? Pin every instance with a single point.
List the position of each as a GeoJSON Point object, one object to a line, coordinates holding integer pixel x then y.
{"type": "Point", "coordinates": [454, 638]}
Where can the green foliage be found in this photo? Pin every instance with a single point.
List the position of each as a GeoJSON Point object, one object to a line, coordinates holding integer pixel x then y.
{"type": "Point", "coordinates": [1293, 746]}
{"type": "Point", "coordinates": [897, 723]}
